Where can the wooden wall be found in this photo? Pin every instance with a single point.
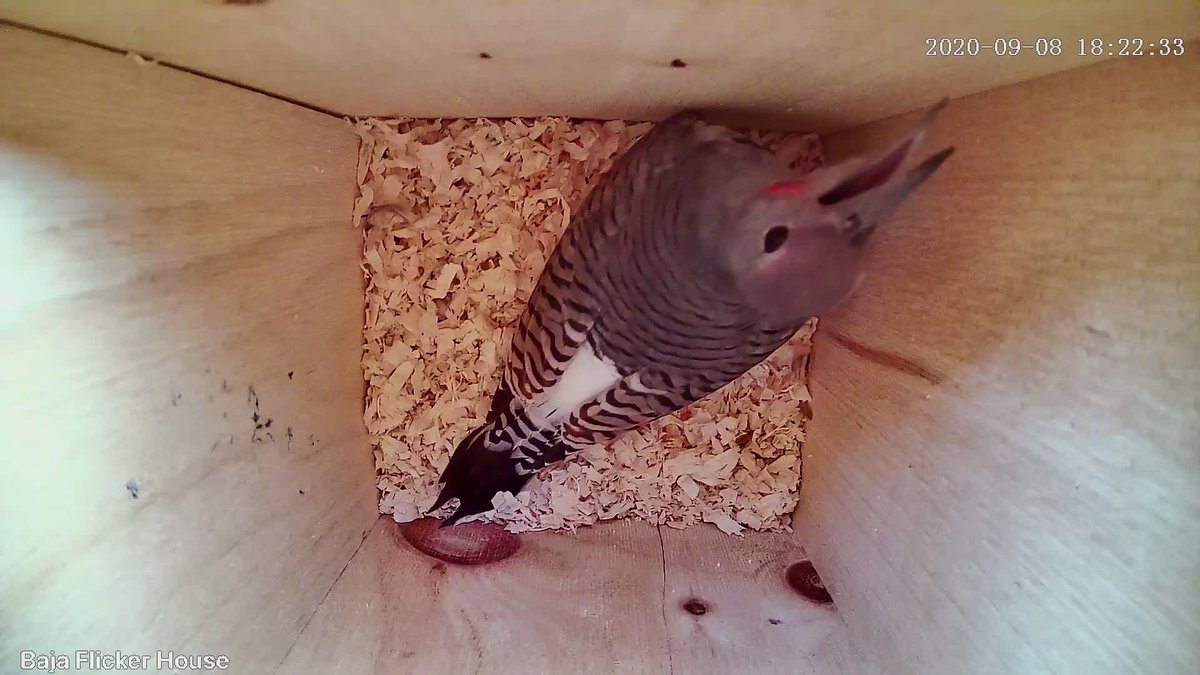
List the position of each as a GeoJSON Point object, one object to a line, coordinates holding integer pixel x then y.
{"type": "Point", "coordinates": [1005, 458]}
{"type": "Point", "coordinates": [1021, 494]}
{"type": "Point", "coordinates": [603, 600]}
{"type": "Point", "coordinates": [820, 64]}
{"type": "Point", "coordinates": [177, 267]}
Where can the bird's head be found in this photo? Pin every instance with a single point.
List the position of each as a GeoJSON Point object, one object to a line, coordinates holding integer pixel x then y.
{"type": "Point", "coordinates": [800, 245]}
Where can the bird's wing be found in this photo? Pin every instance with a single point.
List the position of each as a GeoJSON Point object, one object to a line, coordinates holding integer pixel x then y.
{"type": "Point", "coordinates": [559, 314]}
{"type": "Point", "coordinates": [653, 392]}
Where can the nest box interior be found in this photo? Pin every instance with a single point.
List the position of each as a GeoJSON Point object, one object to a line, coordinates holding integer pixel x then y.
{"type": "Point", "coordinates": [1001, 471]}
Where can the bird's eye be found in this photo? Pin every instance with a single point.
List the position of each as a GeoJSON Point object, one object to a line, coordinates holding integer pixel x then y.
{"type": "Point", "coordinates": [774, 239]}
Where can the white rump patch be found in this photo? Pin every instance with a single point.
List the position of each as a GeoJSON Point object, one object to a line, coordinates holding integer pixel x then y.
{"type": "Point", "coordinates": [585, 376]}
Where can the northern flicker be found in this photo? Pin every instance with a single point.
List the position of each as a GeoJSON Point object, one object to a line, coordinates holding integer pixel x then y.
{"type": "Point", "coordinates": [692, 260]}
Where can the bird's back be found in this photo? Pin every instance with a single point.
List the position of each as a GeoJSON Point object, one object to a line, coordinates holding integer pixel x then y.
{"type": "Point", "coordinates": [657, 301]}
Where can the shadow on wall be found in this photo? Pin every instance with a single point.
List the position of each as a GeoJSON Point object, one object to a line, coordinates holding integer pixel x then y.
{"type": "Point", "coordinates": [171, 293]}
{"type": "Point", "coordinates": [1005, 413]}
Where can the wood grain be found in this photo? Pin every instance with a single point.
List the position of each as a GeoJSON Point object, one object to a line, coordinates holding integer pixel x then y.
{"type": "Point", "coordinates": [606, 599]}
{"type": "Point", "coordinates": [753, 621]}
{"type": "Point", "coordinates": [583, 604]}
{"type": "Point", "coordinates": [1027, 500]}
{"type": "Point", "coordinates": [176, 257]}
{"type": "Point", "coordinates": [820, 64]}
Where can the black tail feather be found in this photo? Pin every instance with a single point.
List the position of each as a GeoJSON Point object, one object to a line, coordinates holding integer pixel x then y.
{"type": "Point", "coordinates": [474, 475]}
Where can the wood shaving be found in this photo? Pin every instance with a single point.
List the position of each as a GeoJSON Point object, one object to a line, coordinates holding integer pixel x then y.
{"type": "Point", "coordinates": [458, 218]}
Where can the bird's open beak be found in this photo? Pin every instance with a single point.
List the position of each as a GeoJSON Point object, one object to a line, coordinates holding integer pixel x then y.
{"type": "Point", "coordinates": [873, 188]}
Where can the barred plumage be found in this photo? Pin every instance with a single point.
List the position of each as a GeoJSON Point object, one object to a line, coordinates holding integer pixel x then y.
{"type": "Point", "coordinates": [692, 260]}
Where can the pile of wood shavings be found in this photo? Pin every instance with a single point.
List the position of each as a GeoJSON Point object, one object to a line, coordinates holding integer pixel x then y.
{"type": "Point", "coordinates": [458, 219]}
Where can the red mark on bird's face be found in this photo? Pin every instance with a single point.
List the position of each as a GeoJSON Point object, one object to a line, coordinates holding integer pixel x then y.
{"type": "Point", "coordinates": [788, 189]}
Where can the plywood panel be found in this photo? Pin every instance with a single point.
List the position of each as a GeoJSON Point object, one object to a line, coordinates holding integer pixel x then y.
{"type": "Point", "coordinates": [606, 599]}
{"type": "Point", "coordinates": [753, 621]}
{"type": "Point", "coordinates": [1023, 494]}
{"type": "Point", "coordinates": [821, 64]}
{"type": "Point", "coordinates": [182, 459]}
{"type": "Point", "coordinates": [583, 604]}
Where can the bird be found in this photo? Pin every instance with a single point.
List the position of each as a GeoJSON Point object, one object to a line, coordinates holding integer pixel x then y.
{"type": "Point", "coordinates": [695, 257]}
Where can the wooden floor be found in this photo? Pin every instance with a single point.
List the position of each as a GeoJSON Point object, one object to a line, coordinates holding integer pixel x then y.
{"type": "Point", "coordinates": [608, 599]}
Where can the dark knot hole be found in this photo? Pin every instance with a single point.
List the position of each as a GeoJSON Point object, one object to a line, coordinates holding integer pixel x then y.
{"type": "Point", "coordinates": [803, 579]}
